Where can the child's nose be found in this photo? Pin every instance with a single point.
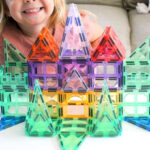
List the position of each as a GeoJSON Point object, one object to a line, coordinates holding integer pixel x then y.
{"type": "Point", "coordinates": [29, 1]}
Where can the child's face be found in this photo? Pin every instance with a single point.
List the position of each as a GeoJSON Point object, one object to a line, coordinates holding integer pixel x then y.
{"type": "Point", "coordinates": [30, 12]}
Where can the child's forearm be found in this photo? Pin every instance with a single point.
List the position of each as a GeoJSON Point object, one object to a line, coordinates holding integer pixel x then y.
{"type": "Point", "coordinates": [96, 36]}
{"type": "Point", "coordinates": [98, 31]}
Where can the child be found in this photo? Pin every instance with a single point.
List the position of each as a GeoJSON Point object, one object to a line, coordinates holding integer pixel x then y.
{"type": "Point", "coordinates": [22, 20]}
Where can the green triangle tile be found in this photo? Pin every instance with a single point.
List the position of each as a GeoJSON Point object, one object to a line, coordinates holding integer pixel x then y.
{"type": "Point", "coordinates": [106, 127]}
{"type": "Point", "coordinates": [71, 141]}
{"type": "Point", "coordinates": [12, 54]}
{"type": "Point", "coordinates": [41, 126]}
{"type": "Point", "coordinates": [15, 61]}
{"type": "Point", "coordinates": [72, 131]}
{"type": "Point", "coordinates": [38, 120]}
{"type": "Point", "coordinates": [106, 122]}
{"type": "Point", "coordinates": [142, 53]}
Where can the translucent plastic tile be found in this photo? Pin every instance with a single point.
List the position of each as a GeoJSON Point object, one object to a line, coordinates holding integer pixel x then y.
{"type": "Point", "coordinates": [45, 48]}
{"type": "Point", "coordinates": [113, 83]}
{"type": "Point", "coordinates": [7, 122]}
{"type": "Point", "coordinates": [52, 101]}
{"type": "Point", "coordinates": [45, 72]}
{"type": "Point", "coordinates": [84, 67]}
{"type": "Point", "coordinates": [14, 102]}
{"type": "Point", "coordinates": [14, 94]}
{"type": "Point", "coordinates": [137, 68]}
{"type": "Point", "coordinates": [110, 71]}
{"type": "Point", "coordinates": [75, 83]}
{"type": "Point", "coordinates": [77, 98]}
{"type": "Point", "coordinates": [116, 98]}
{"type": "Point", "coordinates": [76, 105]}
{"type": "Point", "coordinates": [74, 131]}
{"type": "Point", "coordinates": [75, 111]}
{"type": "Point", "coordinates": [75, 139]}
{"type": "Point", "coordinates": [142, 122]}
{"type": "Point", "coordinates": [45, 83]}
{"type": "Point", "coordinates": [136, 103]}
{"type": "Point", "coordinates": [107, 121]}
{"type": "Point", "coordinates": [51, 68]}
{"type": "Point", "coordinates": [74, 42]}
{"type": "Point", "coordinates": [136, 74]}
{"type": "Point", "coordinates": [15, 61]}
{"type": "Point", "coordinates": [38, 120]}
{"type": "Point", "coordinates": [109, 48]}
{"type": "Point", "coordinates": [16, 81]}
{"type": "Point", "coordinates": [142, 53]}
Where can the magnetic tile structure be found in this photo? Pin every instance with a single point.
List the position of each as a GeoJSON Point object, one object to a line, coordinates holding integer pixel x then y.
{"type": "Point", "coordinates": [136, 93]}
{"type": "Point", "coordinates": [14, 94]}
{"type": "Point", "coordinates": [76, 122]}
{"type": "Point", "coordinates": [63, 112]}
{"type": "Point", "coordinates": [43, 75]}
{"type": "Point", "coordinates": [41, 62]}
{"type": "Point", "coordinates": [65, 100]}
{"type": "Point", "coordinates": [108, 61]}
{"type": "Point", "coordinates": [75, 92]}
{"type": "Point", "coordinates": [69, 92]}
{"type": "Point", "coordinates": [14, 98]}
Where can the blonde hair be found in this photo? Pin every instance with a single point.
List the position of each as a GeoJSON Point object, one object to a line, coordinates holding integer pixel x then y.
{"type": "Point", "coordinates": [2, 14]}
{"type": "Point", "coordinates": [58, 15]}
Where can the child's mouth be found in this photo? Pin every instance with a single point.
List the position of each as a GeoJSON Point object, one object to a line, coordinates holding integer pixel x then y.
{"type": "Point", "coordinates": [33, 11]}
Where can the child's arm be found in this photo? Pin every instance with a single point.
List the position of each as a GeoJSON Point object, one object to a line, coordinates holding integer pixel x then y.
{"type": "Point", "coordinates": [92, 29]}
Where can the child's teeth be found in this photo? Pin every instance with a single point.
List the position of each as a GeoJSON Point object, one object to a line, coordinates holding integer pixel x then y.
{"type": "Point", "coordinates": [33, 10]}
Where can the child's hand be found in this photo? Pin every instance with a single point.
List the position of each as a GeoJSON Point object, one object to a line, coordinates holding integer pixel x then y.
{"type": "Point", "coordinates": [92, 29]}
{"type": "Point", "coordinates": [83, 13]}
